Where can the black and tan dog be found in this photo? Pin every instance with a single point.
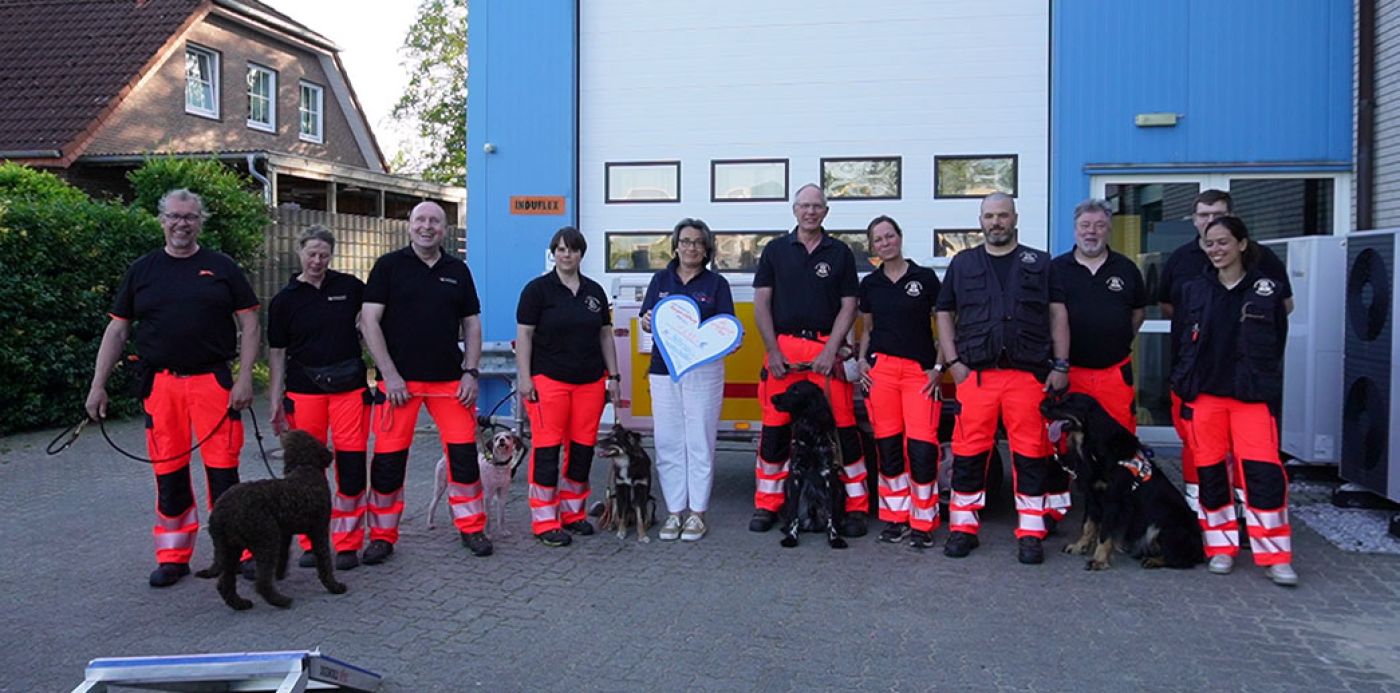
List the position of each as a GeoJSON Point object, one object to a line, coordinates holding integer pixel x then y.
{"type": "Point", "coordinates": [263, 516]}
{"type": "Point", "coordinates": [1130, 504]}
{"type": "Point", "coordinates": [814, 498]}
{"type": "Point", "coordinates": [628, 494]}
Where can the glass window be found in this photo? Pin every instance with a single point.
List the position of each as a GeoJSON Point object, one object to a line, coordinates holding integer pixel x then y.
{"type": "Point", "coordinates": [1150, 220]}
{"type": "Point", "coordinates": [1152, 374]}
{"type": "Point", "coordinates": [950, 242]}
{"type": "Point", "coordinates": [739, 251]}
{"type": "Point", "coordinates": [974, 176]}
{"type": "Point", "coordinates": [312, 114]}
{"type": "Point", "coordinates": [749, 180]}
{"type": "Point", "coordinates": [866, 178]}
{"type": "Point", "coordinates": [643, 181]}
{"type": "Point", "coordinates": [638, 251]}
{"type": "Point", "coordinates": [859, 241]}
{"type": "Point", "coordinates": [262, 98]}
{"type": "Point", "coordinates": [201, 81]}
{"type": "Point", "coordinates": [1283, 207]}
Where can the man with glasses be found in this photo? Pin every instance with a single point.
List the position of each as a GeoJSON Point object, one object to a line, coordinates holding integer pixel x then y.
{"type": "Point", "coordinates": [194, 309]}
{"type": "Point", "coordinates": [1189, 262]}
{"type": "Point", "coordinates": [805, 303]}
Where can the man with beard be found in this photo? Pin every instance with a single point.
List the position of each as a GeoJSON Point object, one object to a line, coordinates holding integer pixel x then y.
{"type": "Point", "coordinates": [1106, 301]}
{"type": "Point", "coordinates": [1003, 327]}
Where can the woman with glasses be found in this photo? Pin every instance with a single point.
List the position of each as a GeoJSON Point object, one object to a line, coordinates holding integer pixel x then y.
{"type": "Point", "coordinates": [685, 410]}
{"type": "Point", "coordinates": [566, 364]}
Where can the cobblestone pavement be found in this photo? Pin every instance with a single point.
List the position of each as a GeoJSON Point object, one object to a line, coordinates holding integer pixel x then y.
{"type": "Point", "coordinates": [734, 611]}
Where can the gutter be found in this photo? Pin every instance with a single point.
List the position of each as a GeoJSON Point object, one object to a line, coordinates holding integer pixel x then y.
{"type": "Point", "coordinates": [297, 31]}
{"type": "Point", "coordinates": [252, 159]}
{"type": "Point", "coordinates": [1365, 113]}
{"type": "Point", "coordinates": [31, 154]}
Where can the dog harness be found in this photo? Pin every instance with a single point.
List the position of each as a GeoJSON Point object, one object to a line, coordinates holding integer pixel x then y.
{"type": "Point", "coordinates": [1140, 467]}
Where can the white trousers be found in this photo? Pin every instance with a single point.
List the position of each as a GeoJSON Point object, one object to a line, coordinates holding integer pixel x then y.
{"type": "Point", "coordinates": [685, 416]}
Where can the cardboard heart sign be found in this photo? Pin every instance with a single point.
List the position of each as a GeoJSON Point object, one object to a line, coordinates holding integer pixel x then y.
{"type": "Point", "coordinates": [685, 342]}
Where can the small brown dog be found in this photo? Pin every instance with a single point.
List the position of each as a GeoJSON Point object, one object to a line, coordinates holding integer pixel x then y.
{"type": "Point", "coordinates": [263, 516]}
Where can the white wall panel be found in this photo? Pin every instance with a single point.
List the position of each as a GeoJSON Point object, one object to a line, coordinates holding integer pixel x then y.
{"type": "Point", "coordinates": [733, 79]}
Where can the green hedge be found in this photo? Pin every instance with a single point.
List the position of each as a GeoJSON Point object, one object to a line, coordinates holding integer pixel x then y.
{"type": "Point", "coordinates": [62, 256]}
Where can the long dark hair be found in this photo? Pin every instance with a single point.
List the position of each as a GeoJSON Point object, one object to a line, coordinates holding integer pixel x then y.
{"type": "Point", "coordinates": [1250, 255]}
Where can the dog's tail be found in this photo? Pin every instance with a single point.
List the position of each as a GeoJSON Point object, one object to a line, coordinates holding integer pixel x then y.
{"type": "Point", "coordinates": [216, 567]}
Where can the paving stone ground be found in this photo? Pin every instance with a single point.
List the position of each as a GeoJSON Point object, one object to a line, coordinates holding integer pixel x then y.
{"type": "Point", "coordinates": [731, 612]}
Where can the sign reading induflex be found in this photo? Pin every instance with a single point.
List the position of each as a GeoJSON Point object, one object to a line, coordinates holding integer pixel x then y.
{"type": "Point", "coordinates": [537, 204]}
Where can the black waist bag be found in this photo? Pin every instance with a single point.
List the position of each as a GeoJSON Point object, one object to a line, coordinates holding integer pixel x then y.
{"type": "Point", "coordinates": [338, 377]}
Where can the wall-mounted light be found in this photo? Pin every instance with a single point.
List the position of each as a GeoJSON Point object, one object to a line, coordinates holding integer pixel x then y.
{"type": "Point", "coordinates": [1156, 120]}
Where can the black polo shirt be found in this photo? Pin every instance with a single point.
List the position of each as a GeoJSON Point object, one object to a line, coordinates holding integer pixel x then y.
{"type": "Point", "coordinates": [1100, 308]}
{"type": "Point", "coordinates": [709, 290]}
{"type": "Point", "coordinates": [1190, 261]}
{"type": "Point", "coordinates": [807, 287]}
{"type": "Point", "coordinates": [316, 326]}
{"type": "Point", "coordinates": [183, 308]}
{"type": "Point", "coordinates": [901, 312]}
{"type": "Point", "coordinates": [423, 311]}
{"type": "Point", "coordinates": [568, 326]}
{"type": "Point", "coordinates": [1219, 356]}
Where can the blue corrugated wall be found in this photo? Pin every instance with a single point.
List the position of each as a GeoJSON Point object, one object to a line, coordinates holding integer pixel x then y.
{"type": "Point", "coordinates": [522, 99]}
{"type": "Point", "coordinates": [1259, 82]}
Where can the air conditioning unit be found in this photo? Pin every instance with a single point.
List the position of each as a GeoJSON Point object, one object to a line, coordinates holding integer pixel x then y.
{"type": "Point", "coordinates": [1312, 359]}
{"type": "Point", "coordinates": [1371, 372]}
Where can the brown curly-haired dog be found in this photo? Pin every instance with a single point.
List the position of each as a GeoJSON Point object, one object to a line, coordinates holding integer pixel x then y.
{"type": "Point", "coordinates": [262, 516]}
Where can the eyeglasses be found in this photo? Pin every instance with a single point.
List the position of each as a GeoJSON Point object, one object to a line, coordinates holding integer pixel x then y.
{"type": "Point", "coordinates": [810, 206]}
{"type": "Point", "coordinates": [691, 242]}
{"type": "Point", "coordinates": [187, 218]}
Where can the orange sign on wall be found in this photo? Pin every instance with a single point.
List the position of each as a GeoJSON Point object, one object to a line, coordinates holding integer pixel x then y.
{"type": "Point", "coordinates": [537, 204]}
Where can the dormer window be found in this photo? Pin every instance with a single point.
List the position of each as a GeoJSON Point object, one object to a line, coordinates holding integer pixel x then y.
{"type": "Point", "coordinates": [312, 113]}
{"type": "Point", "coordinates": [262, 98]}
{"type": "Point", "coordinates": [201, 81]}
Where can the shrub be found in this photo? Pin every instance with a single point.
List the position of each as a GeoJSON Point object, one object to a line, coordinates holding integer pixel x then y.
{"type": "Point", "coordinates": [238, 216]}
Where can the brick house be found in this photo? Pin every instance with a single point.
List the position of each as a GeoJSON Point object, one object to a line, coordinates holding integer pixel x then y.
{"type": "Point", "coordinates": [89, 88]}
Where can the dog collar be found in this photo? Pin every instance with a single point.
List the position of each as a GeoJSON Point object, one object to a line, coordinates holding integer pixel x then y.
{"type": "Point", "coordinates": [1140, 467]}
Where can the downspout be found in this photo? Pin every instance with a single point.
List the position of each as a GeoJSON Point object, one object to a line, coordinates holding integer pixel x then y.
{"type": "Point", "coordinates": [253, 171]}
{"type": "Point", "coordinates": [1365, 113]}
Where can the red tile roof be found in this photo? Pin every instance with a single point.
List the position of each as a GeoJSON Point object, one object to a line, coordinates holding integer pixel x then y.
{"type": "Point", "coordinates": [63, 63]}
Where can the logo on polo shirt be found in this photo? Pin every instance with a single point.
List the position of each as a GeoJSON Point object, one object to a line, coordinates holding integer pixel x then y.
{"type": "Point", "coordinates": [448, 280]}
{"type": "Point", "coordinates": [914, 288]}
{"type": "Point", "coordinates": [1027, 257]}
{"type": "Point", "coordinates": [206, 273]}
{"type": "Point", "coordinates": [823, 270]}
{"type": "Point", "coordinates": [1264, 287]}
{"type": "Point", "coordinates": [341, 297]}
{"type": "Point", "coordinates": [1115, 284]}
{"type": "Point", "coordinates": [701, 297]}
{"type": "Point", "coordinates": [592, 304]}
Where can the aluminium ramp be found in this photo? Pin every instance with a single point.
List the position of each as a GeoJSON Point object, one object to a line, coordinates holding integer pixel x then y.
{"type": "Point", "coordinates": [284, 672]}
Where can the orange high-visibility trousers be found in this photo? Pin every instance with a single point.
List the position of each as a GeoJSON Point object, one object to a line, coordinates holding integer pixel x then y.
{"type": "Point", "coordinates": [1112, 387]}
{"type": "Point", "coordinates": [1189, 480]}
{"type": "Point", "coordinates": [905, 424]}
{"type": "Point", "coordinates": [180, 410]}
{"type": "Point", "coordinates": [393, 434]}
{"type": "Point", "coordinates": [346, 415]}
{"type": "Point", "coordinates": [1014, 397]}
{"type": "Point", "coordinates": [1217, 426]}
{"type": "Point", "coordinates": [564, 429]}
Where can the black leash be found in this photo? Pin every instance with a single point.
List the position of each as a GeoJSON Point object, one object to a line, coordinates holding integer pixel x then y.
{"type": "Point", "coordinates": [70, 435]}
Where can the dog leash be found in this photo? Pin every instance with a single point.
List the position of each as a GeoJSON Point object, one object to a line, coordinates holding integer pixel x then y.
{"type": "Point", "coordinates": [70, 435]}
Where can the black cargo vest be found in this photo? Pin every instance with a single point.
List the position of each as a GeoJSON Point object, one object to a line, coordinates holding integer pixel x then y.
{"type": "Point", "coordinates": [1258, 349]}
{"type": "Point", "coordinates": [991, 321]}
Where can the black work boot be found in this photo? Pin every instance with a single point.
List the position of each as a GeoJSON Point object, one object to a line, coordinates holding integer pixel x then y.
{"type": "Point", "coordinates": [477, 543]}
{"type": "Point", "coordinates": [763, 520]}
{"type": "Point", "coordinates": [854, 524]}
{"type": "Point", "coordinates": [1029, 551]}
{"type": "Point", "coordinates": [894, 533]}
{"type": "Point", "coordinates": [377, 552]}
{"type": "Point", "coordinates": [167, 574]}
{"type": "Point", "coordinates": [960, 544]}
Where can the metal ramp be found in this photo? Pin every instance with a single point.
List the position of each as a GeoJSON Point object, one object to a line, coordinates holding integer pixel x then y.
{"type": "Point", "coordinates": [284, 672]}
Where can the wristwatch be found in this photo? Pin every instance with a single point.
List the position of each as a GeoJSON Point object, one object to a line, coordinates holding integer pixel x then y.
{"type": "Point", "coordinates": [615, 378]}
{"type": "Point", "coordinates": [939, 368]}
{"type": "Point", "coordinates": [472, 372]}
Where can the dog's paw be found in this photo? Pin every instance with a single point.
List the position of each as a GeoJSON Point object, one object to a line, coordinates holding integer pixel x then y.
{"type": "Point", "coordinates": [337, 588]}
{"type": "Point", "coordinates": [1154, 562]}
{"type": "Point", "coordinates": [1096, 565]}
{"type": "Point", "coordinates": [239, 604]}
{"type": "Point", "coordinates": [788, 542]}
{"type": "Point", "coordinates": [1078, 548]}
{"type": "Point", "coordinates": [837, 543]}
{"type": "Point", "coordinates": [279, 601]}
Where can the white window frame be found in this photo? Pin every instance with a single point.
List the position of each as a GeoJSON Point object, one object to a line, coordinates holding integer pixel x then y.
{"type": "Point", "coordinates": [213, 85]}
{"type": "Point", "coordinates": [271, 96]}
{"type": "Point", "coordinates": [319, 137]}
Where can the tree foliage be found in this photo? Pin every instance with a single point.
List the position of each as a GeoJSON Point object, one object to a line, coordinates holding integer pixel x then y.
{"type": "Point", "coordinates": [237, 216]}
{"type": "Point", "coordinates": [435, 101]}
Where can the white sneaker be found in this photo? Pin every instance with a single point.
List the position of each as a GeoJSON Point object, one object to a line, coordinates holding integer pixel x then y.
{"type": "Point", "coordinates": [1282, 574]}
{"type": "Point", "coordinates": [1222, 564]}
{"type": "Point", "coordinates": [671, 531]}
{"type": "Point", "coordinates": [694, 529]}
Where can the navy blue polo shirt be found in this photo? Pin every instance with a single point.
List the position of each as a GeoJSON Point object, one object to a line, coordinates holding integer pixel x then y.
{"type": "Point", "coordinates": [183, 308]}
{"type": "Point", "coordinates": [423, 311]}
{"type": "Point", "coordinates": [1219, 357]}
{"type": "Point", "coordinates": [807, 287]}
{"type": "Point", "coordinates": [568, 327]}
{"type": "Point", "coordinates": [1189, 262]}
{"type": "Point", "coordinates": [316, 326]}
{"type": "Point", "coordinates": [900, 312]}
{"type": "Point", "coordinates": [709, 290]}
{"type": "Point", "coordinates": [1100, 307]}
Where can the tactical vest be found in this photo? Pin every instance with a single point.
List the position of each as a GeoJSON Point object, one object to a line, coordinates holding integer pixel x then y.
{"type": "Point", "coordinates": [1258, 349]}
{"type": "Point", "coordinates": [992, 321]}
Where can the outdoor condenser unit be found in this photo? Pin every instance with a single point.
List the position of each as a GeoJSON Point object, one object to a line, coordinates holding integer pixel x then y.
{"type": "Point", "coordinates": [1371, 372]}
{"type": "Point", "coordinates": [1312, 358]}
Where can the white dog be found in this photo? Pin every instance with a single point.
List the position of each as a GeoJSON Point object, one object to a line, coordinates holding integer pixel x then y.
{"type": "Point", "coordinates": [500, 458]}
